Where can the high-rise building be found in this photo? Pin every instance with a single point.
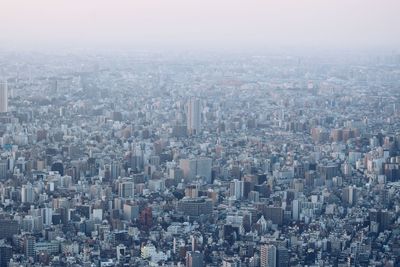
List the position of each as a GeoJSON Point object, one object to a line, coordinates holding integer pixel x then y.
{"type": "Point", "coordinates": [115, 169]}
{"type": "Point", "coordinates": [5, 254]}
{"type": "Point", "coordinates": [194, 259]}
{"type": "Point", "coordinates": [296, 209]}
{"type": "Point", "coordinates": [27, 193]}
{"type": "Point", "coordinates": [254, 196]}
{"type": "Point", "coordinates": [193, 239]}
{"type": "Point", "coordinates": [282, 257]}
{"type": "Point", "coordinates": [193, 116]}
{"type": "Point", "coordinates": [236, 189]}
{"type": "Point", "coordinates": [275, 214]}
{"type": "Point", "coordinates": [30, 246]}
{"type": "Point", "coordinates": [349, 195]}
{"type": "Point", "coordinates": [392, 172]}
{"type": "Point", "coordinates": [146, 217]}
{"type": "Point", "coordinates": [59, 167]}
{"type": "Point", "coordinates": [3, 97]}
{"type": "Point", "coordinates": [328, 171]}
{"type": "Point", "coordinates": [3, 169]}
{"type": "Point", "coordinates": [189, 168]}
{"type": "Point", "coordinates": [8, 228]}
{"type": "Point", "coordinates": [204, 168]}
{"type": "Point", "coordinates": [47, 214]}
{"type": "Point", "coordinates": [126, 189]}
{"type": "Point", "coordinates": [130, 211]}
{"type": "Point", "coordinates": [268, 255]}
{"type": "Point", "coordinates": [201, 167]}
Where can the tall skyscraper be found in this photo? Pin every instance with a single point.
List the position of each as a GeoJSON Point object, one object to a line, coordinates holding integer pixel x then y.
{"type": "Point", "coordinates": [268, 255]}
{"type": "Point", "coordinates": [193, 116]}
{"type": "Point", "coordinates": [3, 97]}
{"type": "Point", "coordinates": [3, 169]}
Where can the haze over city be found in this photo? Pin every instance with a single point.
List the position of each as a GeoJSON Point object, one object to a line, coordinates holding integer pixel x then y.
{"type": "Point", "coordinates": [214, 25]}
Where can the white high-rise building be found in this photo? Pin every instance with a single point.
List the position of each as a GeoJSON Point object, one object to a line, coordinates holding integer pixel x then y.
{"type": "Point", "coordinates": [193, 116]}
{"type": "Point", "coordinates": [295, 209]}
{"type": "Point", "coordinates": [3, 97]}
{"type": "Point", "coordinates": [27, 193]}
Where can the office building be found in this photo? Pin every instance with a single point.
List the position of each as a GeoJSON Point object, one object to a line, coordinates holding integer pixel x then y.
{"type": "Point", "coordinates": [27, 193]}
{"type": "Point", "coordinates": [126, 190]}
{"type": "Point", "coordinates": [197, 167]}
{"type": "Point", "coordinates": [195, 206]}
{"type": "Point", "coordinates": [5, 254]}
{"type": "Point", "coordinates": [275, 214]}
{"type": "Point", "coordinates": [236, 189]}
{"type": "Point", "coordinates": [193, 116]}
{"type": "Point", "coordinates": [282, 257]}
{"type": "Point", "coordinates": [3, 169]}
{"type": "Point", "coordinates": [130, 211]}
{"type": "Point", "coordinates": [349, 195]}
{"type": "Point", "coordinates": [3, 97]}
{"type": "Point", "coordinates": [30, 246]}
{"type": "Point", "coordinates": [8, 228]}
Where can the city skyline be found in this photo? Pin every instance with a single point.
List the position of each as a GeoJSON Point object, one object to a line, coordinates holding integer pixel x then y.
{"type": "Point", "coordinates": [199, 133]}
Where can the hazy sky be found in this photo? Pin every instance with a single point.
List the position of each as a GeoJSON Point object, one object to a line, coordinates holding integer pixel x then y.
{"type": "Point", "coordinates": [200, 23]}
